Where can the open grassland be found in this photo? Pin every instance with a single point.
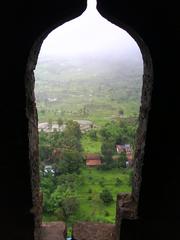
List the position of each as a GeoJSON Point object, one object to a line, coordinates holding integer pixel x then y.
{"type": "Point", "coordinates": [91, 207]}
{"type": "Point", "coordinates": [90, 146]}
{"type": "Point", "coordinates": [87, 90]}
{"type": "Point", "coordinates": [100, 91]}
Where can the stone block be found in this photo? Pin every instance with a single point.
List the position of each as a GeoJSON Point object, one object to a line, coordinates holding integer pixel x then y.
{"type": "Point", "coordinates": [94, 231]}
{"type": "Point", "coordinates": [53, 231]}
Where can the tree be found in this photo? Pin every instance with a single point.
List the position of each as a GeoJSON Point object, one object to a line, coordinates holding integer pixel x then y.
{"type": "Point", "coordinates": [104, 133]}
{"type": "Point", "coordinates": [62, 202]}
{"type": "Point", "coordinates": [45, 152]}
{"type": "Point", "coordinates": [59, 122]}
{"type": "Point", "coordinates": [122, 160]}
{"type": "Point", "coordinates": [72, 129]}
{"type": "Point", "coordinates": [118, 182]}
{"type": "Point", "coordinates": [127, 131]}
{"type": "Point", "coordinates": [56, 139]}
{"type": "Point", "coordinates": [69, 206]}
{"type": "Point", "coordinates": [111, 131]}
{"type": "Point", "coordinates": [72, 136]}
{"type": "Point", "coordinates": [106, 196]}
{"type": "Point", "coordinates": [71, 181]}
{"type": "Point", "coordinates": [70, 162]}
{"type": "Point", "coordinates": [107, 150]}
{"type": "Point", "coordinates": [71, 143]}
{"type": "Point", "coordinates": [48, 186]}
{"type": "Point", "coordinates": [121, 112]}
{"type": "Point", "coordinates": [93, 134]}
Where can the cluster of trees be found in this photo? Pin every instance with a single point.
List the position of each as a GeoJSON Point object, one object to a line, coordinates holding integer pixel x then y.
{"type": "Point", "coordinates": [63, 151]}
{"type": "Point", "coordinates": [59, 195]}
{"type": "Point", "coordinates": [119, 132]}
{"type": "Point", "coordinates": [106, 196]}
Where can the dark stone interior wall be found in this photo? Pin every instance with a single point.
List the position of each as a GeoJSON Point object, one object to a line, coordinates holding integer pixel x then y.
{"type": "Point", "coordinates": [158, 25]}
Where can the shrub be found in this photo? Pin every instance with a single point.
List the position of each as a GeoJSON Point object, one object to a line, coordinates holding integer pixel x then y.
{"type": "Point", "coordinates": [106, 196]}
{"type": "Point", "coordinates": [70, 206]}
{"type": "Point", "coordinates": [122, 160]}
{"type": "Point", "coordinates": [59, 214]}
{"type": "Point", "coordinates": [90, 178]}
{"type": "Point", "coordinates": [106, 213]}
{"type": "Point", "coordinates": [101, 183]}
{"type": "Point", "coordinates": [90, 190]}
{"type": "Point", "coordinates": [118, 182]}
{"type": "Point", "coordinates": [93, 134]}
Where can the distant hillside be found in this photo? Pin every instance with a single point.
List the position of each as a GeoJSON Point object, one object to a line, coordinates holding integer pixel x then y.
{"type": "Point", "coordinates": [89, 86]}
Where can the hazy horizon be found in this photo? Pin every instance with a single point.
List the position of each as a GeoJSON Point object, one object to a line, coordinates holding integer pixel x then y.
{"type": "Point", "coordinates": [90, 35]}
{"type": "Point", "coordinates": [88, 62]}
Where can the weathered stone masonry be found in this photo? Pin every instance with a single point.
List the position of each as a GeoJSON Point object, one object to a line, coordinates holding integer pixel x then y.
{"type": "Point", "coordinates": [157, 25]}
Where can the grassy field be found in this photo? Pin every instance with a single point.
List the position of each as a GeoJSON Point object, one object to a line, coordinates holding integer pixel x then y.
{"type": "Point", "coordinates": [91, 90]}
{"type": "Point", "coordinates": [91, 207]}
{"type": "Point", "coordinates": [95, 182]}
{"type": "Point", "coordinates": [96, 93]}
{"type": "Point", "coordinates": [89, 145]}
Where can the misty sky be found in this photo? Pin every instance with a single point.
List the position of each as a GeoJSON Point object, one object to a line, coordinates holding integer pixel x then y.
{"type": "Point", "coordinates": [90, 34]}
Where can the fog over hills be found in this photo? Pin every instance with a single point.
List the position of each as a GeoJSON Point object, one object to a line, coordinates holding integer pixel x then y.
{"type": "Point", "coordinates": [94, 82]}
{"type": "Point", "coordinates": [89, 62]}
{"type": "Point", "coordinates": [89, 70]}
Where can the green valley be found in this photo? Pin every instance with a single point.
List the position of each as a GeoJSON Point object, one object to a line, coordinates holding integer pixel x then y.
{"type": "Point", "coordinates": [87, 110]}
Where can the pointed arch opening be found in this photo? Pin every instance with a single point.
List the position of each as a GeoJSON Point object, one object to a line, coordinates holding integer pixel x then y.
{"type": "Point", "coordinates": [75, 100]}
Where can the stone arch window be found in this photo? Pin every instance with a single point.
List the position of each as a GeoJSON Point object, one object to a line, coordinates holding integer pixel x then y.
{"type": "Point", "coordinates": [126, 204]}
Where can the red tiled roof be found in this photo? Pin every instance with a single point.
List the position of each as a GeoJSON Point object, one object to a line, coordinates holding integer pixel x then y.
{"type": "Point", "coordinates": [93, 162]}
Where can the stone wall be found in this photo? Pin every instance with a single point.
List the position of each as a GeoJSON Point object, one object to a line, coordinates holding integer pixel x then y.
{"type": "Point", "coordinates": [27, 23]}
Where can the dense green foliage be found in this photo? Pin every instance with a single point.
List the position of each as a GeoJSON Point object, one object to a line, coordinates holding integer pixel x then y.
{"type": "Point", "coordinates": [72, 189]}
{"type": "Point", "coordinates": [84, 189]}
{"type": "Point", "coordinates": [70, 162]}
{"type": "Point", "coordinates": [106, 196]}
{"type": "Point", "coordinates": [122, 159]}
{"type": "Point", "coordinates": [110, 98]}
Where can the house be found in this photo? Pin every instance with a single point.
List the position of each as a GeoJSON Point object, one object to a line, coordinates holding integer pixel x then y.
{"type": "Point", "coordinates": [44, 126]}
{"type": "Point", "coordinates": [85, 125]}
{"type": "Point", "coordinates": [123, 148]}
{"type": "Point", "coordinates": [127, 149]}
{"type": "Point", "coordinates": [49, 169]}
{"type": "Point", "coordinates": [93, 160]}
{"type": "Point", "coordinates": [120, 148]}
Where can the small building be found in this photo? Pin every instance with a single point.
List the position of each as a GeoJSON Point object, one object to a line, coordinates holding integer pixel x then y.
{"type": "Point", "coordinates": [45, 127]}
{"type": "Point", "coordinates": [85, 125]}
{"type": "Point", "coordinates": [120, 148]}
{"type": "Point", "coordinates": [49, 169]}
{"type": "Point", "coordinates": [127, 149]}
{"type": "Point", "coordinates": [93, 160]}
